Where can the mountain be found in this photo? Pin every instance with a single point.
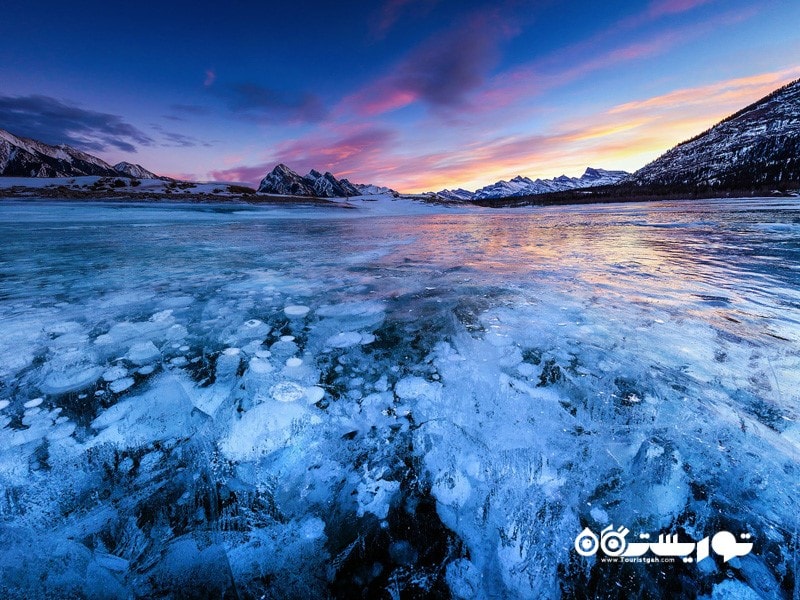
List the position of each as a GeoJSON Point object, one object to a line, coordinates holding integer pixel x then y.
{"type": "Point", "coordinates": [135, 171]}
{"type": "Point", "coordinates": [759, 145]}
{"type": "Point", "coordinates": [457, 194]}
{"type": "Point", "coordinates": [282, 180]}
{"type": "Point", "coordinates": [524, 186]}
{"type": "Point", "coordinates": [23, 157]}
{"type": "Point", "coordinates": [367, 189]}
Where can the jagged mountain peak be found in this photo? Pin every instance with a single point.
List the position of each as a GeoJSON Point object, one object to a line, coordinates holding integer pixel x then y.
{"type": "Point", "coordinates": [284, 181]}
{"type": "Point", "coordinates": [524, 186]}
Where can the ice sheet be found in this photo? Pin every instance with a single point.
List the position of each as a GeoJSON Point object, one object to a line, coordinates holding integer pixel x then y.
{"type": "Point", "coordinates": [205, 398]}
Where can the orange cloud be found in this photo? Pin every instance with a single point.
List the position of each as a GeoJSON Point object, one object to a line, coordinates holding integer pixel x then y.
{"type": "Point", "coordinates": [626, 136]}
{"type": "Point", "coordinates": [721, 93]}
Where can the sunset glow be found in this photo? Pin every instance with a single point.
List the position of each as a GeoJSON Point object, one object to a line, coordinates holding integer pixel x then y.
{"type": "Point", "coordinates": [414, 94]}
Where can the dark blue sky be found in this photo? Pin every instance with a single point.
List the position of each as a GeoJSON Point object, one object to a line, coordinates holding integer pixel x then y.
{"type": "Point", "coordinates": [416, 94]}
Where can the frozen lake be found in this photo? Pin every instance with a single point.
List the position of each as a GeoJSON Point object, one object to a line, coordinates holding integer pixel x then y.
{"type": "Point", "coordinates": [254, 402]}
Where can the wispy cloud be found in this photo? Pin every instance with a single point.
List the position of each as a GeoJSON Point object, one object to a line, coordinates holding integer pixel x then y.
{"type": "Point", "coordinates": [442, 72]}
{"type": "Point", "coordinates": [729, 93]}
{"type": "Point", "coordinates": [660, 8]}
{"type": "Point", "coordinates": [173, 139]}
{"type": "Point", "coordinates": [344, 151]}
{"type": "Point", "coordinates": [391, 11]}
{"type": "Point", "coordinates": [582, 60]}
{"type": "Point", "coordinates": [258, 103]}
{"type": "Point", "coordinates": [625, 136]}
{"type": "Point", "coordinates": [56, 122]}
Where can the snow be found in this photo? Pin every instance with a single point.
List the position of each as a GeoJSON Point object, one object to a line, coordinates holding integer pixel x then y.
{"type": "Point", "coordinates": [414, 403]}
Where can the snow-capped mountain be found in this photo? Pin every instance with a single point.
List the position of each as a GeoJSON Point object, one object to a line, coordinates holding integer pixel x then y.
{"type": "Point", "coordinates": [23, 157]}
{"type": "Point", "coordinates": [327, 186]}
{"type": "Point", "coordinates": [283, 180]}
{"type": "Point", "coordinates": [524, 186]}
{"type": "Point", "coordinates": [368, 189]}
{"type": "Point", "coordinates": [135, 171]}
{"type": "Point", "coordinates": [456, 194]}
{"type": "Point", "coordinates": [760, 144]}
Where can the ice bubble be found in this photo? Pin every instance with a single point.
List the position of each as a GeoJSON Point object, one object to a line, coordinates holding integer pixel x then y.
{"type": "Point", "coordinates": [367, 338]}
{"type": "Point", "coordinates": [313, 528]}
{"type": "Point", "coordinates": [599, 515]}
{"type": "Point", "coordinates": [287, 338]}
{"type": "Point", "coordinates": [263, 354]}
{"type": "Point", "coordinates": [352, 309]}
{"type": "Point", "coordinates": [120, 385]}
{"type": "Point", "coordinates": [296, 310]}
{"type": "Point", "coordinates": [452, 489]}
{"type": "Point", "coordinates": [314, 394]}
{"type": "Point", "coordinates": [115, 373]}
{"type": "Point", "coordinates": [344, 339]}
{"type": "Point", "coordinates": [526, 369]}
{"type": "Point", "coordinates": [294, 362]}
{"type": "Point", "coordinates": [161, 316]}
{"type": "Point", "coordinates": [179, 361]}
{"type": "Point", "coordinates": [232, 352]}
{"type": "Point", "coordinates": [260, 366]}
{"type": "Point", "coordinates": [416, 387]}
{"type": "Point", "coordinates": [33, 403]}
{"type": "Point", "coordinates": [375, 496]}
{"type": "Point", "coordinates": [287, 391]}
{"type": "Point", "coordinates": [61, 382]}
{"type": "Point", "coordinates": [143, 352]}
{"type": "Point", "coordinates": [63, 328]}
{"type": "Point", "coordinates": [60, 431]}
{"type": "Point", "coordinates": [464, 579]}
{"type": "Point", "coordinates": [146, 370]}
{"type": "Point", "coordinates": [4, 404]}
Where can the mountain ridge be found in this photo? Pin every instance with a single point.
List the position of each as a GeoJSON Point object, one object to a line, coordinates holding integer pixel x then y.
{"type": "Point", "coordinates": [524, 186]}
{"type": "Point", "coordinates": [757, 145]}
{"type": "Point", "coordinates": [25, 157]}
{"type": "Point", "coordinates": [284, 181]}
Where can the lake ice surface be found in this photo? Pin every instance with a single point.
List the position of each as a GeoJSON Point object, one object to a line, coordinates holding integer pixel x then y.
{"type": "Point", "coordinates": [254, 402]}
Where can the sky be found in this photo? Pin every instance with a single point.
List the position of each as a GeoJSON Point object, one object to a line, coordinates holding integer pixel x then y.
{"type": "Point", "coordinates": [417, 95]}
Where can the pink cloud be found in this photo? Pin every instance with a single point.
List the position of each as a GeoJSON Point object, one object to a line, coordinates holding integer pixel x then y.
{"type": "Point", "coordinates": [392, 10]}
{"type": "Point", "coordinates": [242, 174]}
{"type": "Point", "coordinates": [581, 60]}
{"type": "Point", "coordinates": [660, 8]}
{"type": "Point", "coordinates": [442, 73]}
{"type": "Point", "coordinates": [211, 77]}
{"type": "Point", "coordinates": [348, 151]}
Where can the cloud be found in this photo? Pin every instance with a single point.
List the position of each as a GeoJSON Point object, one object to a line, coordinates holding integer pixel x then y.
{"type": "Point", "coordinates": [189, 109]}
{"type": "Point", "coordinates": [660, 8]}
{"type": "Point", "coordinates": [210, 78]}
{"type": "Point", "coordinates": [172, 139]}
{"type": "Point", "coordinates": [243, 174]}
{"type": "Point", "coordinates": [736, 92]}
{"type": "Point", "coordinates": [55, 122]}
{"type": "Point", "coordinates": [392, 10]}
{"type": "Point", "coordinates": [442, 72]}
{"type": "Point", "coordinates": [626, 136]}
{"type": "Point", "coordinates": [347, 152]}
{"type": "Point", "coordinates": [258, 103]}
